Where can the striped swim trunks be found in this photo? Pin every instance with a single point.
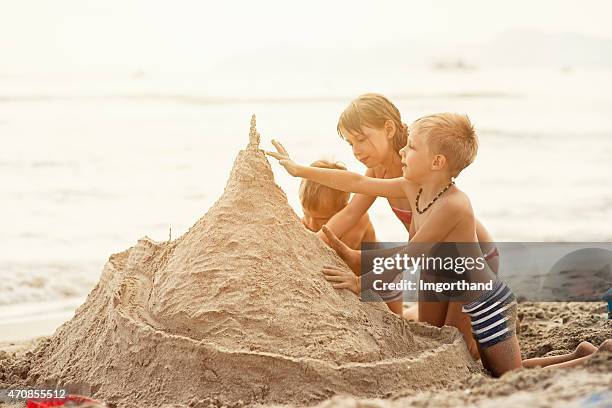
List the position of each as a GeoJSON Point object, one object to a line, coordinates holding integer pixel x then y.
{"type": "Point", "coordinates": [493, 315]}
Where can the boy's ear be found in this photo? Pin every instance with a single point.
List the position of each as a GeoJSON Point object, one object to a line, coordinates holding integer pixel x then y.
{"type": "Point", "coordinates": [438, 162]}
{"type": "Point", "coordinates": [390, 129]}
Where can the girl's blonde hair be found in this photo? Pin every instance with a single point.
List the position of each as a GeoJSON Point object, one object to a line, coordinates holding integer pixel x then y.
{"type": "Point", "coordinates": [373, 110]}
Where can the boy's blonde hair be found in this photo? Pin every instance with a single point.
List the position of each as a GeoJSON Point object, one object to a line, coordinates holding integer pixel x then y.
{"type": "Point", "coordinates": [373, 110]}
{"type": "Point", "coordinates": [314, 196]}
{"type": "Point", "coordinates": [452, 135]}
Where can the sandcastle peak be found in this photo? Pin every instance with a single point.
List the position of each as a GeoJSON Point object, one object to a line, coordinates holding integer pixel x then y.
{"type": "Point", "coordinates": [254, 137]}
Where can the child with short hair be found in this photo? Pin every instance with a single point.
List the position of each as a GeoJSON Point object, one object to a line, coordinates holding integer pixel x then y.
{"type": "Point", "coordinates": [321, 203]}
{"type": "Point", "coordinates": [439, 147]}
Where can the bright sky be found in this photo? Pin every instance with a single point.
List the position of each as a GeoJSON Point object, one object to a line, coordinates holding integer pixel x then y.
{"type": "Point", "coordinates": [141, 34]}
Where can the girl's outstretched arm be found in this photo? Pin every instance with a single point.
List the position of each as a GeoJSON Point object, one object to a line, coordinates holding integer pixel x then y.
{"type": "Point", "coordinates": [341, 179]}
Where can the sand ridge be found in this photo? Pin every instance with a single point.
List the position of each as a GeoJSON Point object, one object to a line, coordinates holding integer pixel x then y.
{"type": "Point", "coordinates": [237, 309]}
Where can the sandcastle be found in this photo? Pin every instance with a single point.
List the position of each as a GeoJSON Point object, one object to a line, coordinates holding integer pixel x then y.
{"type": "Point", "coordinates": [236, 310]}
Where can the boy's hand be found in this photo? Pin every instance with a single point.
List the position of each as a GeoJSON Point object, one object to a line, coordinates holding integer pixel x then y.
{"type": "Point", "coordinates": [342, 279]}
{"type": "Point", "coordinates": [349, 255]}
{"type": "Point", "coordinates": [282, 156]}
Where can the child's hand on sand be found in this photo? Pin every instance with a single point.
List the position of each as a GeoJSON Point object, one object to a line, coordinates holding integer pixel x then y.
{"type": "Point", "coordinates": [282, 156]}
{"type": "Point", "coordinates": [351, 256]}
{"type": "Point", "coordinates": [342, 279]}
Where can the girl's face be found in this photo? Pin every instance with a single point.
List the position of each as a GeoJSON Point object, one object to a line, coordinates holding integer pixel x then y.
{"type": "Point", "coordinates": [372, 146]}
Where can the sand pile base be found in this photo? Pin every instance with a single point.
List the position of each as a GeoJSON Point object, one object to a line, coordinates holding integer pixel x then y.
{"type": "Point", "coordinates": [237, 310]}
{"type": "Point", "coordinates": [547, 329]}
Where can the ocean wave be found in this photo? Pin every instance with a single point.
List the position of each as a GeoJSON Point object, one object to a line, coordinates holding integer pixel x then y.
{"type": "Point", "coordinates": [24, 282]}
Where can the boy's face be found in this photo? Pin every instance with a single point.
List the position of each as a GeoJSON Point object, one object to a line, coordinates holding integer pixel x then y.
{"type": "Point", "coordinates": [416, 157]}
{"type": "Point", "coordinates": [314, 220]}
{"type": "Point", "coordinates": [371, 146]}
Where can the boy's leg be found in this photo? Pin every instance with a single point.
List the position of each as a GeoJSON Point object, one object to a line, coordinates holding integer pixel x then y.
{"type": "Point", "coordinates": [396, 306]}
{"type": "Point", "coordinates": [502, 357]}
{"type": "Point", "coordinates": [433, 313]}
{"type": "Point", "coordinates": [449, 314]}
{"type": "Point", "coordinates": [493, 324]}
{"type": "Point", "coordinates": [606, 346]}
{"type": "Point", "coordinates": [456, 318]}
{"type": "Point", "coordinates": [584, 349]}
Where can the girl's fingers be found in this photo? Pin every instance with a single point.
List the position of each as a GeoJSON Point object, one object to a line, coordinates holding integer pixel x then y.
{"type": "Point", "coordinates": [340, 285]}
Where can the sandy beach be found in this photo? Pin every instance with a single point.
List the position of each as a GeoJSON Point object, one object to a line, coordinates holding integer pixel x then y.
{"type": "Point", "coordinates": [546, 329]}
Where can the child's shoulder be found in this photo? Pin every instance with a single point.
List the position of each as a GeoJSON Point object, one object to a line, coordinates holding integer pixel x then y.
{"type": "Point", "coordinates": [457, 202]}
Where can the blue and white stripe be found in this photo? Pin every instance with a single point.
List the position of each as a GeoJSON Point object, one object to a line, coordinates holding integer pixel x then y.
{"type": "Point", "coordinates": [489, 314]}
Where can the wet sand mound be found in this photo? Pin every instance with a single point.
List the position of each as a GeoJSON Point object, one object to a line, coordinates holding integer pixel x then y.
{"type": "Point", "coordinates": [237, 310]}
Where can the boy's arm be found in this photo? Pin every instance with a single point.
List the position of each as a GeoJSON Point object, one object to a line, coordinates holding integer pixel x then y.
{"type": "Point", "coordinates": [444, 218]}
{"type": "Point", "coordinates": [341, 179]}
{"type": "Point", "coordinates": [441, 222]}
{"type": "Point", "coordinates": [452, 214]}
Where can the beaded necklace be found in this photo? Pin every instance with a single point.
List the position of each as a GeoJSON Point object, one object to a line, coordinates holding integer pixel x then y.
{"type": "Point", "coordinates": [432, 201]}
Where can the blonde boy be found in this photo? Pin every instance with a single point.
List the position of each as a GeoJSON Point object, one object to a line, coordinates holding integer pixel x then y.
{"type": "Point", "coordinates": [320, 203]}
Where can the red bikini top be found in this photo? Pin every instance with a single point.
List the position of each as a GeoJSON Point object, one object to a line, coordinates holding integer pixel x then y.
{"type": "Point", "coordinates": [404, 216]}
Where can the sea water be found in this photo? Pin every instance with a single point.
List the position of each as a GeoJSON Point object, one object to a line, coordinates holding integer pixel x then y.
{"type": "Point", "coordinates": [90, 163]}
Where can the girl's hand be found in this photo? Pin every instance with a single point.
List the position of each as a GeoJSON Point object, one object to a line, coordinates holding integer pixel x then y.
{"type": "Point", "coordinates": [342, 279]}
{"type": "Point", "coordinates": [282, 156]}
{"type": "Point", "coordinates": [322, 236]}
{"type": "Point", "coordinates": [351, 256]}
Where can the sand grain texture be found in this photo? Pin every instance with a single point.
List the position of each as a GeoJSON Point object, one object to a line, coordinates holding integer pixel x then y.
{"type": "Point", "coordinates": [237, 311]}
